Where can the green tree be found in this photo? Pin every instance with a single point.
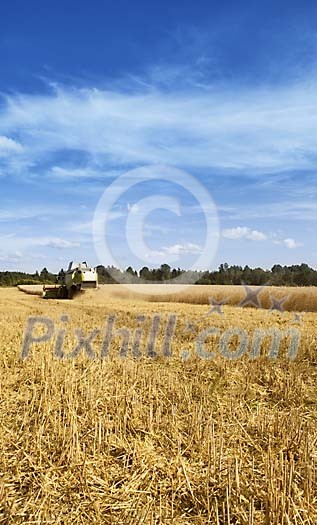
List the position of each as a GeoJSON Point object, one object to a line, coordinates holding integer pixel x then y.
{"type": "Point", "coordinates": [165, 270]}
{"type": "Point", "coordinates": [44, 275]}
{"type": "Point", "coordinates": [145, 273]}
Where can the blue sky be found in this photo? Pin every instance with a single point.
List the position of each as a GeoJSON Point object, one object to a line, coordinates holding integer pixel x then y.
{"type": "Point", "coordinates": [223, 90]}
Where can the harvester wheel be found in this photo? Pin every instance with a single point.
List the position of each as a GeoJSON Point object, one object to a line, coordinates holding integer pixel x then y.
{"type": "Point", "coordinates": [72, 291]}
{"type": "Point", "coordinates": [62, 292]}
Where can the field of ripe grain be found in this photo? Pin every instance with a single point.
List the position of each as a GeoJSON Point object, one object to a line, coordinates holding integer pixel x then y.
{"type": "Point", "coordinates": [154, 440]}
{"type": "Point", "coordinates": [299, 299]}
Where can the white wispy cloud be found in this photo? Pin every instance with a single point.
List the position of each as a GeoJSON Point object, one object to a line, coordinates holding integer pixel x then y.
{"type": "Point", "coordinates": [14, 242]}
{"type": "Point", "coordinates": [291, 243]}
{"type": "Point", "coordinates": [81, 173]}
{"type": "Point", "coordinates": [252, 132]}
{"type": "Point", "coordinates": [258, 131]}
{"type": "Point", "coordinates": [54, 242]}
{"type": "Point", "coordinates": [81, 227]}
{"type": "Point", "coordinates": [177, 249]}
{"type": "Point", "coordinates": [243, 232]}
{"type": "Point", "coordinates": [11, 257]}
{"type": "Point", "coordinates": [22, 213]}
{"type": "Point", "coordinates": [9, 146]}
{"type": "Point", "coordinates": [152, 229]}
{"type": "Point", "coordinates": [294, 209]}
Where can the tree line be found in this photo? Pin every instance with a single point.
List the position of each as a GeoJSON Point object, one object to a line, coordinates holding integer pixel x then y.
{"type": "Point", "coordinates": [278, 275]}
{"type": "Point", "coordinates": [15, 278]}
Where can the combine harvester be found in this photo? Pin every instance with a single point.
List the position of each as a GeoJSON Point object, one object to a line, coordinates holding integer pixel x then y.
{"type": "Point", "coordinates": [79, 277]}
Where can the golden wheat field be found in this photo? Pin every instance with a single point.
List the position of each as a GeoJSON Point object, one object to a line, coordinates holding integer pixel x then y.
{"type": "Point", "coordinates": [300, 299]}
{"type": "Point", "coordinates": [168, 439]}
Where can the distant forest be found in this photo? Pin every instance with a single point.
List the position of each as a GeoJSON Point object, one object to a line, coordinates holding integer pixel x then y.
{"type": "Point", "coordinates": [296, 275]}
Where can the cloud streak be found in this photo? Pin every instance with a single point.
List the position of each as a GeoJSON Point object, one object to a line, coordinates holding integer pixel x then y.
{"type": "Point", "coordinates": [256, 131]}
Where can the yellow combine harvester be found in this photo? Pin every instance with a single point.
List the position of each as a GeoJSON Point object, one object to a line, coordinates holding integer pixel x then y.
{"type": "Point", "coordinates": [77, 278]}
